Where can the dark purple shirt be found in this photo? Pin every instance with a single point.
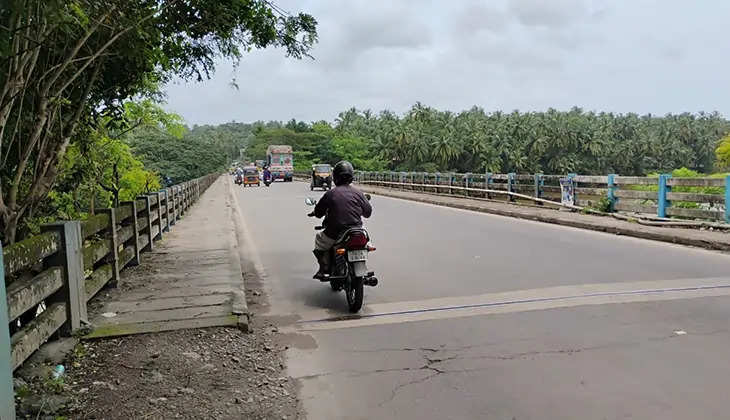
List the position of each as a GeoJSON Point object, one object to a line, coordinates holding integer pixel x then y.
{"type": "Point", "coordinates": [344, 207]}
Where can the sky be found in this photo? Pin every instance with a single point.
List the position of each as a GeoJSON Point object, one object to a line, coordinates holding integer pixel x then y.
{"type": "Point", "coordinates": [644, 56]}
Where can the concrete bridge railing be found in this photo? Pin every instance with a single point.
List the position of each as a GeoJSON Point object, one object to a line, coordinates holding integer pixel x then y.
{"type": "Point", "coordinates": [46, 280]}
{"type": "Point", "coordinates": [663, 196]}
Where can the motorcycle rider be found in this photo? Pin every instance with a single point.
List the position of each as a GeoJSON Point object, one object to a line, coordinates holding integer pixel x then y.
{"type": "Point", "coordinates": [342, 207]}
{"type": "Point", "coordinates": [267, 174]}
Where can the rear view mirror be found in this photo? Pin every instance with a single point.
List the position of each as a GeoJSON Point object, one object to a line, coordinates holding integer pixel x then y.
{"type": "Point", "coordinates": [310, 201]}
{"type": "Point", "coordinates": [367, 196]}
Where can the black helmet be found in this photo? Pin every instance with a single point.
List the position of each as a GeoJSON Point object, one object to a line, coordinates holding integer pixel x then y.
{"type": "Point", "coordinates": [343, 173]}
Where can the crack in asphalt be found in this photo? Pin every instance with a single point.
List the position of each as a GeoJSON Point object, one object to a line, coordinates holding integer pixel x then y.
{"type": "Point", "coordinates": [444, 347]}
{"type": "Point", "coordinates": [432, 361]}
{"type": "Point", "coordinates": [429, 366]}
{"type": "Point", "coordinates": [429, 349]}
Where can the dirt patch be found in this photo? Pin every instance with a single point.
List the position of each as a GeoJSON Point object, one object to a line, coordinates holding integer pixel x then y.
{"type": "Point", "coordinates": [214, 373]}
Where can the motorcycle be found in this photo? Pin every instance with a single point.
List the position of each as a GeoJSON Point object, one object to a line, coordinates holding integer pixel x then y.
{"type": "Point", "coordinates": [267, 180]}
{"type": "Point", "coordinates": [348, 263]}
{"type": "Point", "coordinates": [239, 179]}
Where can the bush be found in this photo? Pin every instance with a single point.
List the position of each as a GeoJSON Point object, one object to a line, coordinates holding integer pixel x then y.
{"type": "Point", "coordinates": [603, 205]}
{"type": "Point", "coordinates": [684, 173]}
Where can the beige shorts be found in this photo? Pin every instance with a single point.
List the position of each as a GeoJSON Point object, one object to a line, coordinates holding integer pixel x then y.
{"type": "Point", "coordinates": [323, 242]}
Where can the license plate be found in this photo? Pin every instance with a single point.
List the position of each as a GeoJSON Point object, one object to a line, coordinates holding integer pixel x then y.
{"type": "Point", "coordinates": [357, 255]}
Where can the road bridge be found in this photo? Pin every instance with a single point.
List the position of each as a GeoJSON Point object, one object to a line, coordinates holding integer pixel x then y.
{"type": "Point", "coordinates": [484, 316]}
{"type": "Point", "coordinates": [476, 316]}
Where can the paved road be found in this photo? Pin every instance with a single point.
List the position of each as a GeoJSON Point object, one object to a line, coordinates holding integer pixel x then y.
{"type": "Point", "coordinates": [480, 316]}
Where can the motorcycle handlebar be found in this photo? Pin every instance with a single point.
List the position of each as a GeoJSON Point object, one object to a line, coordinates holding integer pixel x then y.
{"type": "Point", "coordinates": [318, 227]}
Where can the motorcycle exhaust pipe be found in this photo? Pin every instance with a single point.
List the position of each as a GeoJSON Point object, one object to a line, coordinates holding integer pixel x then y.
{"type": "Point", "coordinates": [370, 281]}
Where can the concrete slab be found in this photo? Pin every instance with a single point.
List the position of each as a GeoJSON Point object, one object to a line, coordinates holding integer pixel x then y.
{"type": "Point", "coordinates": [193, 279]}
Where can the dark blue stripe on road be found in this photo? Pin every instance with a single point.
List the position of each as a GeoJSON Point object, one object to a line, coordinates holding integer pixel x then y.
{"type": "Point", "coordinates": [517, 301]}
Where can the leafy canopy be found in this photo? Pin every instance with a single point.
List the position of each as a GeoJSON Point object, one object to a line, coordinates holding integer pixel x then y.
{"type": "Point", "coordinates": [72, 65]}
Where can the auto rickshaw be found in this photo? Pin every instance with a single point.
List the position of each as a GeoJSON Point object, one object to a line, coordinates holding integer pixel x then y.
{"type": "Point", "coordinates": [251, 176]}
{"type": "Point", "coordinates": [321, 177]}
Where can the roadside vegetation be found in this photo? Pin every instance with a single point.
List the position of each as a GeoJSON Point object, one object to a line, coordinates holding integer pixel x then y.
{"type": "Point", "coordinates": [81, 126]}
{"type": "Point", "coordinates": [70, 139]}
{"type": "Point", "coordinates": [554, 142]}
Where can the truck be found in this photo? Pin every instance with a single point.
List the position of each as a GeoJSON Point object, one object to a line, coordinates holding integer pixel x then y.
{"type": "Point", "coordinates": [280, 160]}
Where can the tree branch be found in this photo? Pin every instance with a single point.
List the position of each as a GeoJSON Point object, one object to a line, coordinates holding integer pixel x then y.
{"type": "Point", "coordinates": [74, 51]}
{"type": "Point", "coordinates": [108, 44]}
{"type": "Point", "coordinates": [41, 186]}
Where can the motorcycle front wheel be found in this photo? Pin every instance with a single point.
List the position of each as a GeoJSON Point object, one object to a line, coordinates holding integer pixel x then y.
{"type": "Point", "coordinates": [354, 291]}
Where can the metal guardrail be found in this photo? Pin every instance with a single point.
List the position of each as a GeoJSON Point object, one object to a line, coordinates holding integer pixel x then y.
{"type": "Point", "coordinates": [49, 278]}
{"type": "Point", "coordinates": [647, 195]}
{"type": "Point", "coordinates": [7, 398]}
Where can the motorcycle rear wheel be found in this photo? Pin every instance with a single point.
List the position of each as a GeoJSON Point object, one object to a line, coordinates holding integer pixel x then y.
{"type": "Point", "coordinates": [354, 292]}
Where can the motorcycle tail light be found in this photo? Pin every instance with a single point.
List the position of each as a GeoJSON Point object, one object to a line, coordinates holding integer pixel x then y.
{"type": "Point", "coordinates": [357, 240]}
{"type": "Point", "coordinates": [340, 251]}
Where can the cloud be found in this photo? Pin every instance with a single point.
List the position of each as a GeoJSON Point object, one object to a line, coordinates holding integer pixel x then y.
{"type": "Point", "coordinates": [552, 13]}
{"type": "Point", "coordinates": [360, 28]}
{"type": "Point", "coordinates": [653, 56]}
{"type": "Point", "coordinates": [478, 16]}
{"type": "Point", "coordinates": [393, 30]}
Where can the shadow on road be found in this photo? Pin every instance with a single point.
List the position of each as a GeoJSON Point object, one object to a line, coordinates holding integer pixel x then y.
{"type": "Point", "coordinates": [321, 296]}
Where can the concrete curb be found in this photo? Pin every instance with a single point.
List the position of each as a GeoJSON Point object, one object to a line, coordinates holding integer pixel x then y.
{"type": "Point", "coordinates": [622, 228]}
{"type": "Point", "coordinates": [239, 306]}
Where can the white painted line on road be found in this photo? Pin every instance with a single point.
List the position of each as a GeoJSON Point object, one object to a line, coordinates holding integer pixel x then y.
{"type": "Point", "coordinates": [518, 301]}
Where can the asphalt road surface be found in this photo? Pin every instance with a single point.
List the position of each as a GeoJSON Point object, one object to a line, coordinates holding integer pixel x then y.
{"type": "Point", "coordinates": [481, 316]}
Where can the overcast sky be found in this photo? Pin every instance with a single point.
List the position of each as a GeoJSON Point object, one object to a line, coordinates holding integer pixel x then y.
{"type": "Point", "coordinates": [640, 56]}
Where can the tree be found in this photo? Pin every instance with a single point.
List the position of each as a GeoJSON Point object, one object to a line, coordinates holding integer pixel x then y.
{"type": "Point", "coordinates": [99, 171]}
{"type": "Point", "coordinates": [723, 152]}
{"type": "Point", "coordinates": [179, 159]}
{"type": "Point", "coordinates": [557, 142]}
{"type": "Point", "coordinates": [68, 64]}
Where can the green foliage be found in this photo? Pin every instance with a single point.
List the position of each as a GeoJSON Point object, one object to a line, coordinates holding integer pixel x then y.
{"type": "Point", "coordinates": [179, 159]}
{"type": "Point", "coordinates": [149, 113]}
{"type": "Point", "coordinates": [54, 385]}
{"type": "Point", "coordinates": [684, 173]}
{"type": "Point", "coordinates": [137, 181]}
{"type": "Point", "coordinates": [99, 171]}
{"type": "Point", "coordinates": [555, 142]}
{"type": "Point", "coordinates": [722, 153]}
{"type": "Point", "coordinates": [22, 392]}
{"type": "Point", "coordinates": [230, 137]}
{"type": "Point", "coordinates": [356, 150]}
{"type": "Point", "coordinates": [603, 205]}
{"type": "Point", "coordinates": [70, 67]}
{"type": "Point", "coordinates": [426, 139]}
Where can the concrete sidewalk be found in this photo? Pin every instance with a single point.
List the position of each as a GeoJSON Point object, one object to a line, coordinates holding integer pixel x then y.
{"type": "Point", "coordinates": [191, 279]}
{"type": "Point", "coordinates": [714, 240]}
